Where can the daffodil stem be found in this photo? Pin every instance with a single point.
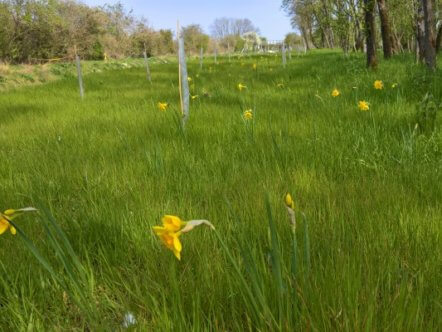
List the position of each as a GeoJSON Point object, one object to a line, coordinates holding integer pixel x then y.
{"type": "Point", "coordinates": [292, 218]}
{"type": "Point", "coordinates": [306, 244]}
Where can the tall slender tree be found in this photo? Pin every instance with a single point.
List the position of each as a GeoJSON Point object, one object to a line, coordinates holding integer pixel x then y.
{"type": "Point", "coordinates": [439, 39]}
{"type": "Point", "coordinates": [430, 35]}
{"type": "Point", "coordinates": [385, 29]}
{"type": "Point", "coordinates": [420, 31]}
{"type": "Point", "coordinates": [370, 33]}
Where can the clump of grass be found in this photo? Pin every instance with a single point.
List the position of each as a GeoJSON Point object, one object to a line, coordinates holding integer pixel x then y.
{"type": "Point", "coordinates": [4, 69]}
{"type": "Point", "coordinates": [76, 281]}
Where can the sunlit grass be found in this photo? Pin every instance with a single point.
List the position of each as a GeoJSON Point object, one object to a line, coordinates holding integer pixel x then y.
{"type": "Point", "coordinates": [367, 184]}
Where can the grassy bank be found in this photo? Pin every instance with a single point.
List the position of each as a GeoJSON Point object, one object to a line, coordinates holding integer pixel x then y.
{"type": "Point", "coordinates": [17, 76]}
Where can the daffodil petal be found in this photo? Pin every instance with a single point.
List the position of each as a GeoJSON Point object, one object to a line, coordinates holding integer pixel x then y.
{"type": "Point", "coordinates": [4, 224]}
{"type": "Point", "coordinates": [159, 230]}
{"type": "Point", "coordinates": [13, 230]}
{"type": "Point", "coordinates": [177, 244]}
{"type": "Point", "coordinates": [172, 223]}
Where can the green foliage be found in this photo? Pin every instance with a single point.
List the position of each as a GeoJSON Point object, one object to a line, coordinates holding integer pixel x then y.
{"type": "Point", "coordinates": [195, 38]}
{"type": "Point", "coordinates": [97, 51]}
{"type": "Point", "coordinates": [291, 39]}
{"type": "Point", "coordinates": [37, 31]}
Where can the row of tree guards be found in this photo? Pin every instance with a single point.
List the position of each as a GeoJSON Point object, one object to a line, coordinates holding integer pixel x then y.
{"type": "Point", "coordinates": [182, 72]}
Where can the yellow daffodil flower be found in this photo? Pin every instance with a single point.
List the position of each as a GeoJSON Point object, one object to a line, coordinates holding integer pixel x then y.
{"type": "Point", "coordinates": [378, 85]}
{"type": "Point", "coordinates": [335, 93]}
{"type": "Point", "coordinates": [248, 114]}
{"type": "Point", "coordinates": [9, 215]}
{"type": "Point", "coordinates": [172, 229]}
{"type": "Point", "coordinates": [162, 106]}
{"type": "Point", "coordinates": [363, 105]}
{"type": "Point", "coordinates": [170, 239]}
{"type": "Point", "coordinates": [5, 217]}
{"type": "Point", "coordinates": [241, 86]}
{"type": "Point", "coordinates": [289, 201]}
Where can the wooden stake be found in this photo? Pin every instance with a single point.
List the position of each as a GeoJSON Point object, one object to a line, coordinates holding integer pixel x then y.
{"type": "Point", "coordinates": [201, 58]}
{"type": "Point", "coordinates": [146, 61]}
{"type": "Point", "coordinates": [79, 74]}
{"type": "Point", "coordinates": [184, 83]}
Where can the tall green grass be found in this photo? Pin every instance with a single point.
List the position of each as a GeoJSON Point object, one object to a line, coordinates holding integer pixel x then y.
{"type": "Point", "coordinates": [108, 167]}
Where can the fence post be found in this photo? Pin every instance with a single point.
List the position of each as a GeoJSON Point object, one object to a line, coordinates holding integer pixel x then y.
{"type": "Point", "coordinates": [184, 84]}
{"type": "Point", "coordinates": [80, 76]}
{"type": "Point", "coordinates": [216, 52]}
{"type": "Point", "coordinates": [201, 58]}
{"type": "Point", "coordinates": [146, 61]}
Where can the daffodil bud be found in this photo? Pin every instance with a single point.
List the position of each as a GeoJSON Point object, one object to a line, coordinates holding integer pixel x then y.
{"type": "Point", "coordinates": [289, 201]}
{"type": "Point", "coordinates": [9, 212]}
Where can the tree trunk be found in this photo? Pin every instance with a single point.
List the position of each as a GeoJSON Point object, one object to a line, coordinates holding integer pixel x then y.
{"type": "Point", "coordinates": [420, 32]}
{"type": "Point", "coordinates": [315, 45]}
{"type": "Point", "coordinates": [328, 31]}
{"type": "Point", "coordinates": [385, 29]}
{"type": "Point", "coordinates": [430, 35]}
{"type": "Point", "coordinates": [305, 37]}
{"type": "Point", "coordinates": [439, 39]}
{"type": "Point", "coordinates": [370, 33]}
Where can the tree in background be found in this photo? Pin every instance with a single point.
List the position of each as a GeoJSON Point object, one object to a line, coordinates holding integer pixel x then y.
{"type": "Point", "coordinates": [228, 31]}
{"type": "Point", "coordinates": [195, 38]}
{"type": "Point", "coordinates": [429, 8]}
{"type": "Point", "coordinates": [38, 30]}
{"type": "Point", "coordinates": [405, 25]}
{"type": "Point", "coordinates": [81, 31]}
{"type": "Point", "coordinates": [439, 37]}
{"type": "Point", "coordinates": [292, 39]}
{"type": "Point", "coordinates": [301, 13]}
{"type": "Point", "coordinates": [224, 27]}
{"type": "Point", "coordinates": [370, 33]}
{"type": "Point", "coordinates": [385, 29]}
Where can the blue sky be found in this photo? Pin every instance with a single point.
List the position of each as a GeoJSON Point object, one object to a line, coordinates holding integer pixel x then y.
{"type": "Point", "coordinates": [265, 14]}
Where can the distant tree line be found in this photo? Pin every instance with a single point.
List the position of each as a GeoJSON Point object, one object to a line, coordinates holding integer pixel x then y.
{"type": "Point", "coordinates": [404, 25]}
{"type": "Point", "coordinates": [37, 30]}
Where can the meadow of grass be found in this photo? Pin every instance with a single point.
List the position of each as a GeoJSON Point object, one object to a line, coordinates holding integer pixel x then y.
{"type": "Point", "coordinates": [109, 167]}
